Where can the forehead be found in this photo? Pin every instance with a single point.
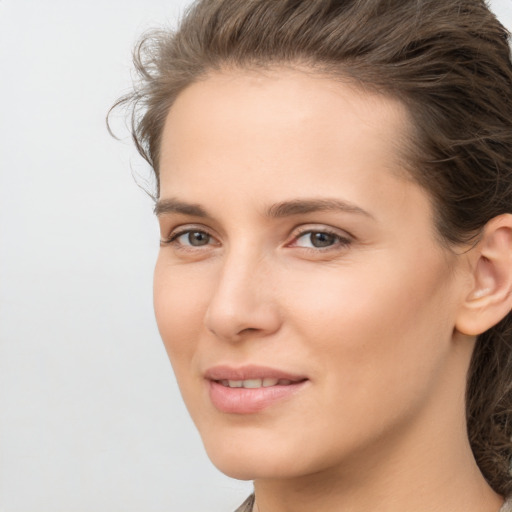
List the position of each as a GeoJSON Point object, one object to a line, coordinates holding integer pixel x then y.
{"type": "Point", "coordinates": [279, 134]}
{"type": "Point", "coordinates": [289, 106]}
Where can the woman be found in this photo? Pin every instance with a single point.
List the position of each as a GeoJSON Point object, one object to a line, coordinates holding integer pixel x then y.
{"type": "Point", "coordinates": [334, 285]}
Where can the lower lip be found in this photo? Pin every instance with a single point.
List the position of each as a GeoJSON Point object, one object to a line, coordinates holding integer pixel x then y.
{"type": "Point", "coordinates": [247, 400]}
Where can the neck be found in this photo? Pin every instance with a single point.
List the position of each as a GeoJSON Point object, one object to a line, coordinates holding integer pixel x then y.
{"type": "Point", "coordinates": [385, 485]}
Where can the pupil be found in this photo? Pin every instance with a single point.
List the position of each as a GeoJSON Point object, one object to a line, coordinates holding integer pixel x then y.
{"type": "Point", "coordinates": [197, 238]}
{"type": "Point", "coordinates": [322, 239]}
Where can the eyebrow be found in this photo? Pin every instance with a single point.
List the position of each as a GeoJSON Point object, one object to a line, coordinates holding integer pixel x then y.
{"type": "Point", "coordinates": [172, 205]}
{"type": "Point", "coordinates": [278, 210]}
{"type": "Point", "coordinates": [301, 206]}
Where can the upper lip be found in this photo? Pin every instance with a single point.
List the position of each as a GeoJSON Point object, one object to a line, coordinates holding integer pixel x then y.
{"type": "Point", "coordinates": [250, 372]}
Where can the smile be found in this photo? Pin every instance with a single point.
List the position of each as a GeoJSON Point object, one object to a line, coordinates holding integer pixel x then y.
{"type": "Point", "coordinates": [250, 389]}
{"type": "Point", "coordinates": [255, 383]}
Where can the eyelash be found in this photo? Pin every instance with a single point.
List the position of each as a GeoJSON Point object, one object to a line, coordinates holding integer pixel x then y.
{"type": "Point", "coordinates": [339, 240]}
{"type": "Point", "coordinates": [171, 240]}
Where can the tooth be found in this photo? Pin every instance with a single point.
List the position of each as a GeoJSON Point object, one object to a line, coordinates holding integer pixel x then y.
{"type": "Point", "coordinates": [252, 383]}
{"type": "Point", "coordinates": [235, 383]}
{"type": "Point", "coordinates": [268, 381]}
{"type": "Point", "coordinates": [284, 382]}
{"type": "Point", "coordinates": [225, 382]}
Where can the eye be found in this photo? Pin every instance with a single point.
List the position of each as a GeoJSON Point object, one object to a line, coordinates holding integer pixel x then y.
{"type": "Point", "coordinates": [189, 238]}
{"type": "Point", "coordinates": [194, 238]}
{"type": "Point", "coordinates": [319, 240]}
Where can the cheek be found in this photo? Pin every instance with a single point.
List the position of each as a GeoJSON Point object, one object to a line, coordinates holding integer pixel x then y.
{"type": "Point", "coordinates": [180, 301]}
{"type": "Point", "coordinates": [374, 330]}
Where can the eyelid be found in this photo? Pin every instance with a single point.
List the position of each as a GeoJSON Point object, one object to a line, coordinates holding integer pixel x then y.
{"type": "Point", "coordinates": [183, 229]}
{"type": "Point", "coordinates": [344, 238]}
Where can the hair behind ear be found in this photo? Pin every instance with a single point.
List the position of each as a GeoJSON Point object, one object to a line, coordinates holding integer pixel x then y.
{"type": "Point", "coordinates": [489, 404]}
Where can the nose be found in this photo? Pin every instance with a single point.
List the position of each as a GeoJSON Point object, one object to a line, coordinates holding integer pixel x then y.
{"type": "Point", "coordinates": [243, 303]}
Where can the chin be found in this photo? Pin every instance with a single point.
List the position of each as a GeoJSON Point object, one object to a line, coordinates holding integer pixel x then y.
{"type": "Point", "coordinates": [250, 455]}
{"type": "Point", "coordinates": [244, 467]}
{"type": "Point", "coordinates": [251, 459]}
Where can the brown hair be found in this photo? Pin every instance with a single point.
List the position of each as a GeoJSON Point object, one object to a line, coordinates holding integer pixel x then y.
{"type": "Point", "coordinates": [447, 60]}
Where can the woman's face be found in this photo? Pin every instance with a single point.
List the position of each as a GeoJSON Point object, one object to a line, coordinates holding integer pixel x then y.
{"type": "Point", "coordinates": [305, 304]}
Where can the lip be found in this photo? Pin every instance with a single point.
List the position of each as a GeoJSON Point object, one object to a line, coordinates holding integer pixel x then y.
{"type": "Point", "coordinates": [247, 400]}
{"type": "Point", "coordinates": [250, 372]}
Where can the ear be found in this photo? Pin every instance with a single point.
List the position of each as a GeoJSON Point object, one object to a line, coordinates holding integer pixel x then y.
{"type": "Point", "coordinates": [490, 297]}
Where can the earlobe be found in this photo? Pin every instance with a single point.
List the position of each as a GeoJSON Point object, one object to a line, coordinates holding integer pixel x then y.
{"type": "Point", "coordinates": [490, 297]}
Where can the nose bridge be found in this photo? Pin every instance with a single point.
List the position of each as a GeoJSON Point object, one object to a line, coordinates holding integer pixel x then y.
{"type": "Point", "coordinates": [242, 300]}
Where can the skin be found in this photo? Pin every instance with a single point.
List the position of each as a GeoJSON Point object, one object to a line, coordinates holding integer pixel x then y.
{"type": "Point", "coordinates": [369, 319]}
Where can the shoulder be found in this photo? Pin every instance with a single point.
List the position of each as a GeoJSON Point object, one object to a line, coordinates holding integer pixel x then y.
{"type": "Point", "coordinates": [507, 506]}
{"type": "Point", "coordinates": [247, 505]}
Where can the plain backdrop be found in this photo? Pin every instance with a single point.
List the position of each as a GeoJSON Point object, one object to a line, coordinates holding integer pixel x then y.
{"type": "Point", "coordinates": [90, 416]}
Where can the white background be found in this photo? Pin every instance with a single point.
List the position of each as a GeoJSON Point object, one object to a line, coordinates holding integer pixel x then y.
{"type": "Point", "coordinates": [90, 416]}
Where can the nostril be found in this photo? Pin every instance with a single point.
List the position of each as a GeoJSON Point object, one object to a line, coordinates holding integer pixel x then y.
{"type": "Point", "coordinates": [248, 330]}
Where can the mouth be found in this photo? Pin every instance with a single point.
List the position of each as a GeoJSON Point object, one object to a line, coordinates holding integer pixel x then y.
{"type": "Point", "coordinates": [265, 382]}
{"type": "Point", "coordinates": [250, 389]}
